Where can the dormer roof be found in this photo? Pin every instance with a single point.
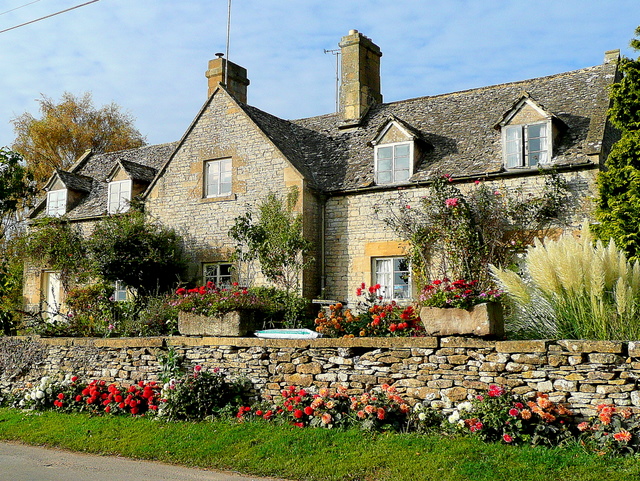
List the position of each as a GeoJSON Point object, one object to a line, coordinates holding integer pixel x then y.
{"type": "Point", "coordinates": [134, 170]}
{"type": "Point", "coordinates": [526, 100]}
{"type": "Point", "coordinates": [72, 181]}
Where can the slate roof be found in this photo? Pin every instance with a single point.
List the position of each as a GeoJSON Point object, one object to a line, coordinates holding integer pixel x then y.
{"type": "Point", "coordinates": [80, 183]}
{"type": "Point", "coordinates": [458, 126]}
{"type": "Point", "coordinates": [456, 131]}
{"type": "Point", "coordinates": [98, 167]}
{"type": "Point", "coordinates": [137, 171]}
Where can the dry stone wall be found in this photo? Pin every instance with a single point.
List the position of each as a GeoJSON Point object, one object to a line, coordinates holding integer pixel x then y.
{"type": "Point", "coordinates": [440, 371]}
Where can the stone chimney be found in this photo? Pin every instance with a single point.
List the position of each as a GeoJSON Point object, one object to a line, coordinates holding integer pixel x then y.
{"type": "Point", "coordinates": [360, 86]}
{"type": "Point", "coordinates": [237, 78]}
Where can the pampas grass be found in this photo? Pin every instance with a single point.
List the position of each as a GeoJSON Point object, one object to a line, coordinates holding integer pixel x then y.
{"type": "Point", "coordinates": [572, 288]}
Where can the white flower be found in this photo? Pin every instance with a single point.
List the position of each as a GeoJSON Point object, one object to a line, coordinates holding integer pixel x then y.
{"type": "Point", "coordinates": [455, 416]}
{"type": "Point", "coordinates": [39, 394]}
{"type": "Point", "coordinates": [422, 416]}
{"type": "Point", "coordinates": [465, 406]}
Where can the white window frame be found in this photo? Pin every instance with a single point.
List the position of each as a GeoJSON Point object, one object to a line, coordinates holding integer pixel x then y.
{"type": "Point", "coordinates": [216, 184]}
{"type": "Point", "coordinates": [213, 271]}
{"type": "Point", "coordinates": [57, 202]}
{"type": "Point", "coordinates": [119, 198]}
{"type": "Point", "coordinates": [120, 292]}
{"type": "Point", "coordinates": [398, 175]}
{"type": "Point", "coordinates": [515, 150]}
{"type": "Point", "coordinates": [384, 272]}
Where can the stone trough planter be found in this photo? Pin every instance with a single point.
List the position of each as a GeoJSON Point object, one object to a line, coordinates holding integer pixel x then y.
{"type": "Point", "coordinates": [230, 324]}
{"type": "Point", "coordinates": [481, 320]}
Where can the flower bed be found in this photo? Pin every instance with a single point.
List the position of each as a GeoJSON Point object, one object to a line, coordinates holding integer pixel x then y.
{"type": "Point", "coordinates": [496, 416]}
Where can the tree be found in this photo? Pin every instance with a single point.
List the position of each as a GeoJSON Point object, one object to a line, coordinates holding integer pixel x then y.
{"type": "Point", "coordinates": [142, 254]}
{"type": "Point", "coordinates": [618, 202]}
{"type": "Point", "coordinates": [17, 191]}
{"type": "Point", "coordinates": [275, 240]}
{"type": "Point", "coordinates": [67, 129]}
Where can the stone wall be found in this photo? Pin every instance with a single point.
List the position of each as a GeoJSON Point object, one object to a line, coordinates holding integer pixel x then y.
{"type": "Point", "coordinates": [441, 371]}
{"type": "Point", "coordinates": [356, 233]}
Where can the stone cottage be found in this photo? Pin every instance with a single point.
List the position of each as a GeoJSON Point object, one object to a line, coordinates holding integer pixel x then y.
{"type": "Point", "coordinates": [343, 164]}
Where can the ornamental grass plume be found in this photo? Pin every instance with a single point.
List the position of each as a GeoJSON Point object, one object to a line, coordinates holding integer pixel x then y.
{"type": "Point", "coordinates": [572, 288]}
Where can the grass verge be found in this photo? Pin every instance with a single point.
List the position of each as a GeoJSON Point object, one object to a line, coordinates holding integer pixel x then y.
{"type": "Point", "coordinates": [309, 454]}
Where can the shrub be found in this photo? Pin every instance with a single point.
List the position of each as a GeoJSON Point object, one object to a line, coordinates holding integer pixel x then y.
{"type": "Point", "coordinates": [200, 394]}
{"type": "Point", "coordinates": [211, 300]}
{"type": "Point", "coordinates": [373, 317]}
{"type": "Point", "coordinates": [457, 235]}
{"type": "Point", "coordinates": [613, 431]}
{"type": "Point", "coordinates": [573, 289]}
{"type": "Point", "coordinates": [499, 415]}
{"type": "Point", "coordinates": [144, 255]}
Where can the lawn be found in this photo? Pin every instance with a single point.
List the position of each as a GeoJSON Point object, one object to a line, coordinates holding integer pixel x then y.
{"type": "Point", "coordinates": [270, 449]}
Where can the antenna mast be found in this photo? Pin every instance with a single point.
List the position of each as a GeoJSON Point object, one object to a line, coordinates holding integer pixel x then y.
{"type": "Point", "coordinates": [335, 52]}
{"type": "Point", "coordinates": [226, 67]}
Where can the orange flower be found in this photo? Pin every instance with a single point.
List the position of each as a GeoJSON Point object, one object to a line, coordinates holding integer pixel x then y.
{"type": "Point", "coordinates": [326, 418]}
{"type": "Point", "coordinates": [605, 418]}
{"type": "Point", "coordinates": [622, 436]}
{"type": "Point", "coordinates": [381, 414]}
{"type": "Point", "coordinates": [583, 426]}
{"type": "Point", "coordinates": [370, 409]}
{"type": "Point", "coordinates": [525, 414]}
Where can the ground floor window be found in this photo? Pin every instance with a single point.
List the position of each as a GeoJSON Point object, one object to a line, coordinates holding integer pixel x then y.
{"type": "Point", "coordinates": [392, 273]}
{"type": "Point", "coordinates": [120, 291]}
{"type": "Point", "coordinates": [218, 273]}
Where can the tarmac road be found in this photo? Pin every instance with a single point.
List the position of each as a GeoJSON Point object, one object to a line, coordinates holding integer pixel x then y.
{"type": "Point", "coordinates": [30, 463]}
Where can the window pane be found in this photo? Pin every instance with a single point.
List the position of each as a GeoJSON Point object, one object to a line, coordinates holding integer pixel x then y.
{"type": "Point", "coordinates": [402, 163]}
{"type": "Point", "coordinates": [402, 150]}
{"type": "Point", "coordinates": [536, 130]}
{"type": "Point", "coordinates": [384, 178]}
{"type": "Point", "coordinates": [225, 188]}
{"type": "Point", "coordinates": [401, 175]}
{"type": "Point", "coordinates": [513, 133]}
{"type": "Point", "coordinates": [384, 164]}
{"type": "Point", "coordinates": [385, 153]}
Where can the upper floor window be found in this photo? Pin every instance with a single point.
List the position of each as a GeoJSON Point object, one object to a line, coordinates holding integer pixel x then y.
{"type": "Point", "coordinates": [526, 145]}
{"type": "Point", "coordinates": [392, 273]}
{"type": "Point", "coordinates": [217, 177]}
{"type": "Point", "coordinates": [393, 162]}
{"type": "Point", "coordinates": [119, 196]}
{"type": "Point", "coordinates": [57, 202]}
{"type": "Point", "coordinates": [219, 274]}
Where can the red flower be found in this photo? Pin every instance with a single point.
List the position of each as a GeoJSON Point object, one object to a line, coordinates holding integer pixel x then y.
{"type": "Point", "coordinates": [107, 409]}
{"type": "Point", "coordinates": [507, 438]}
{"type": "Point", "coordinates": [61, 396]}
{"type": "Point", "coordinates": [298, 414]}
{"type": "Point", "coordinates": [513, 412]}
{"type": "Point", "coordinates": [393, 327]}
{"type": "Point", "coordinates": [74, 378]}
{"type": "Point", "coordinates": [181, 291]}
{"type": "Point", "coordinates": [308, 410]}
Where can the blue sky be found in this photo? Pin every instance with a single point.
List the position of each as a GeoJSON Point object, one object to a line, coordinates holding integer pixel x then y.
{"type": "Point", "coordinates": [149, 56]}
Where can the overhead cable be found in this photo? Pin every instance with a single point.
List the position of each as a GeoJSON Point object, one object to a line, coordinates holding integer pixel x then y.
{"type": "Point", "coordinates": [48, 16]}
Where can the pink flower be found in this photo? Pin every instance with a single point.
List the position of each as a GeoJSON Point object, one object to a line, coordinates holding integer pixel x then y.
{"type": "Point", "coordinates": [451, 202]}
{"type": "Point", "coordinates": [477, 182]}
{"type": "Point", "coordinates": [507, 438]}
{"type": "Point", "coordinates": [197, 368]}
{"type": "Point", "coordinates": [513, 412]}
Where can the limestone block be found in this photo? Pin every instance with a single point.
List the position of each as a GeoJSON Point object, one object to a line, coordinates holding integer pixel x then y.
{"type": "Point", "coordinates": [481, 320]}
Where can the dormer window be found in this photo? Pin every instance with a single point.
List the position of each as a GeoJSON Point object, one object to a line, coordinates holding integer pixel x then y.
{"type": "Point", "coordinates": [119, 196]}
{"type": "Point", "coordinates": [526, 146]}
{"type": "Point", "coordinates": [394, 162]}
{"type": "Point", "coordinates": [57, 202]}
{"type": "Point", "coordinates": [217, 178]}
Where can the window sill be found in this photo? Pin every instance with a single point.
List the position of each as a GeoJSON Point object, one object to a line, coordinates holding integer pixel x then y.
{"type": "Point", "coordinates": [220, 198]}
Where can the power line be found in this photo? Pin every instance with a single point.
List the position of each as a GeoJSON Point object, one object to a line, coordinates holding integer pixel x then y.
{"type": "Point", "coordinates": [17, 8]}
{"type": "Point", "coordinates": [48, 16]}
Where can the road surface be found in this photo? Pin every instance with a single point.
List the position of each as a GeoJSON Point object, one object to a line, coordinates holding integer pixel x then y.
{"type": "Point", "coordinates": [19, 462]}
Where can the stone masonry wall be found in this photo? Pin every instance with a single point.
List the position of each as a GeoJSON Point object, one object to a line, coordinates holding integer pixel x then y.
{"type": "Point", "coordinates": [441, 371]}
{"type": "Point", "coordinates": [355, 233]}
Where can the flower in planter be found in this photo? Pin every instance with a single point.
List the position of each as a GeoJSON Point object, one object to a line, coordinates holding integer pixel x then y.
{"type": "Point", "coordinates": [460, 294]}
